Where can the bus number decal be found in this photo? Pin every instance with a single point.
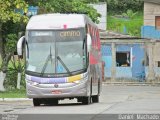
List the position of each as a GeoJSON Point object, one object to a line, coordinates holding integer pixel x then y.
{"type": "Point", "coordinates": [70, 34]}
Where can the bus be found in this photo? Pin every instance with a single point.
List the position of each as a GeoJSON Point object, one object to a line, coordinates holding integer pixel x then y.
{"type": "Point", "coordinates": [62, 59]}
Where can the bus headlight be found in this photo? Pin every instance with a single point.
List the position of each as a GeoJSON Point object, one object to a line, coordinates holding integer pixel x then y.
{"type": "Point", "coordinates": [32, 83]}
{"type": "Point", "coordinates": [82, 80]}
{"type": "Point", "coordinates": [35, 83]}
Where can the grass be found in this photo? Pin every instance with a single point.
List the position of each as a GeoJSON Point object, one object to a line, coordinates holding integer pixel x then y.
{"type": "Point", "coordinates": [131, 26]}
{"type": "Point", "coordinates": [11, 82]}
{"type": "Point", "coordinates": [13, 94]}
{"type": "Point", "coordinates": [0, 61]}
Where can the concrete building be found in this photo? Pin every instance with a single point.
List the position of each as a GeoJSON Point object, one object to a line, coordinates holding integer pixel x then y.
{"type": "Point", "coordinates": [124, 56]}
{"type": "Point", "coordinates": [151, 30]}
{"type": "Point", "coordinates": [135, 58]}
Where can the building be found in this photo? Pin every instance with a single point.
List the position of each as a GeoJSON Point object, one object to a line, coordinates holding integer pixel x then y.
{"type": "Point", "coordinates": [151, 30]}
{"type": "Point", "coordinates": [135, 58]}
{"type": "Point", "coordinates": [124, 57]}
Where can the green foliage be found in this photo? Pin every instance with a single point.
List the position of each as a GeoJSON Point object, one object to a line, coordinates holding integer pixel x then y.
{"type": "Point", "coordinates": [72, 6]}
{"type": "Point", "coordinates": [11, 42]}
{"type": "Point", "coordinates": [121, 6]}
{"type": "Point", "coordinates": [7, 8]}
{"type": "Point", "coordinates": [129, 14]}
{"type": "Point", "coordinates": [13, 94]}
{"type": "Point", "coordinates": [11, 79]}
{"type": "Point", "coordinates": [133, 26]}
{"type": "Point", "coordinates": [14, 66]}
{"type": "Point", "coordinates": [9, 15]}
{"type": "Point", "coordinates": [78, 7]}
{"type": "Point", "coordinates": [90, 1]}
{"type": "Point", "coordinates": [9, 49]}
{"type": "Point", "coordinates": [0, 61]}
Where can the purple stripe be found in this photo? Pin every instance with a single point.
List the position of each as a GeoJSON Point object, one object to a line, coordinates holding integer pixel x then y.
{"type": "Point", "coordinates": [48, 80]}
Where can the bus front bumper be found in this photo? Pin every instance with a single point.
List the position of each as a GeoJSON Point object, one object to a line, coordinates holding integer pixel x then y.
{"type": "Point", "coordinates": [66, 90]}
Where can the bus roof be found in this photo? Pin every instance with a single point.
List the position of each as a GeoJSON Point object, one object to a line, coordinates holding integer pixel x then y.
{"type": "Point", "coordinates": [58, 21]}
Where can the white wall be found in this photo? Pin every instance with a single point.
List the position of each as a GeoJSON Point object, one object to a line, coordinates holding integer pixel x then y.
{"type": "Point", "coordinates": [102, 9]}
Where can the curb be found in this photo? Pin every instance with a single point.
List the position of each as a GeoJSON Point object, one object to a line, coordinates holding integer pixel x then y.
{"type": "Point", "coordinates": [14, 99]}
{"type": "Point", "coordinates": [131, 83]}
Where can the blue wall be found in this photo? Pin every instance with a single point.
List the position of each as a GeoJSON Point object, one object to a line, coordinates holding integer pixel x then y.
{"type": "Point", "coordinates": [150, 32]}
{"type": "Point", "coordinates": [136, 71]}
{"type": "Point", "coordinates": [107, 58]}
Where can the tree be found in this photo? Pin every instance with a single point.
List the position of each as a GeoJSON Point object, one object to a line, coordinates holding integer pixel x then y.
{"type": "Point", "coordinates": [12, 17]}
{"type": "Point", "coordinates": [121, 6]}
{"type": "Point", "coordinates": [65, 6]}
{"type": "Point", "coordinates": [129, 14]}
{"type": "Point", "coordinates": [9, 14]}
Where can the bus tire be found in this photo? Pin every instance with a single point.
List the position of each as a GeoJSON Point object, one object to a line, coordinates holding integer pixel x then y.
{"type": "Point", "coordinates": [36, 102]}
{"type": "Point", "coordinates": [95, 99]}
{"type": "Point", "coordinates": [86, 100]}
{"type": "Point", "coordinates": [79, 99]}
{"type": "Point", "coordinates": [53, 102]}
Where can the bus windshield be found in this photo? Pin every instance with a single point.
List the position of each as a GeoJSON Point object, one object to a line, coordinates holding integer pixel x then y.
{"type": "Point", "coordinates": [60, 52]}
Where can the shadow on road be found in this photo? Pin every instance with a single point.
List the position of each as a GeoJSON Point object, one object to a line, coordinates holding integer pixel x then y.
{"type": "Point", "coordinates": [63, 104]}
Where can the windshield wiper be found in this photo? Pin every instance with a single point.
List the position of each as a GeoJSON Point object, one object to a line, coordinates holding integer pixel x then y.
{"type": "Point", "coordinates": [58, 58]}
{"type": "Point", "coordinates": [47, 60]}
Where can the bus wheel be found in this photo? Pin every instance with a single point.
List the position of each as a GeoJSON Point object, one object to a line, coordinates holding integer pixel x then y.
{"type": "Point", "coordinates": [86, 100]}
{"type": "Point", "coordinates": [95, 98]}
{"type": "Point", "coordinates": [53, 102]}
{"type": "Point", "coordinates": [36, 102]}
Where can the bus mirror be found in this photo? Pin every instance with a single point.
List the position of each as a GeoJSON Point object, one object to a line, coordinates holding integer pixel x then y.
{"type": "Point", "coordinates": [89, 42]}
{"type": "Point", "coordinates": [20, 45]}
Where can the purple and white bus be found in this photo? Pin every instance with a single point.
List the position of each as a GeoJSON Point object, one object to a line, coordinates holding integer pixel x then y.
{"type": "Point", "coordinates": [63, 58]}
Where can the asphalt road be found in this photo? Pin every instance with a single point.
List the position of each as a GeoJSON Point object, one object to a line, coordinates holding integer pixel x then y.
{"type": "Point", "coordinates": [113, 100]}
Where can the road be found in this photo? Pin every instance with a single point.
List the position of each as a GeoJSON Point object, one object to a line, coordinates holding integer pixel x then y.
{"type": "Point", "coordinates": [113, 100]}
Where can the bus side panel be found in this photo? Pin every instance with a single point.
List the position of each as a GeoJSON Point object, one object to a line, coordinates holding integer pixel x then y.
{"type": "Point", "coordinates": [95, 60]}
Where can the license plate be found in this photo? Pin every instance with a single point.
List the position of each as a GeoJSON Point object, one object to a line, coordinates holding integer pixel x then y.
{"type": "Point", "coordinates": [56, 92]}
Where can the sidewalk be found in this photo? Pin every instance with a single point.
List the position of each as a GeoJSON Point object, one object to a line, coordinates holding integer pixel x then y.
{"type": "Point", "coordinates": [14, 99]}
{"type": "Point", "coordinates": [131, 83]}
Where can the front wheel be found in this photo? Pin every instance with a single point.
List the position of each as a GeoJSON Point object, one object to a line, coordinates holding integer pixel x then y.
{"type": "Point", "coordinates": [53, 102]}
{"type": "Point", "coordinates": [36, 102]}
{"type": "Point", "coordinates": [95, 99]}
{"type": "Point", "coordinates": [86, 100]}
